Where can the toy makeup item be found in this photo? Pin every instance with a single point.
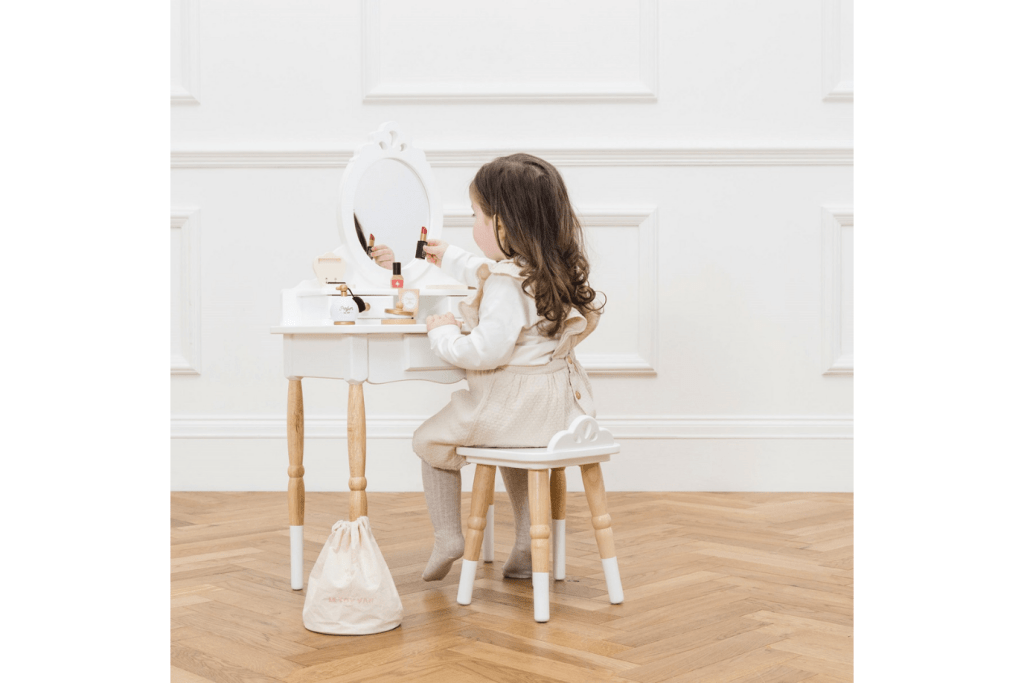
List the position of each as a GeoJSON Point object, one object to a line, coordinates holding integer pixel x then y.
{"type": "Point", "coordinates": [409, 300]}
{"type": "Point", "coordinates": [422, 243]}
{"type": "Point", "coordinates": [397, 281]}
{"type": "Point", "coordinates": [403, 314]}
{"type": "Point", "coordinates": [369, 246]}
{"type": "Point", "coordinates": [343, 307]}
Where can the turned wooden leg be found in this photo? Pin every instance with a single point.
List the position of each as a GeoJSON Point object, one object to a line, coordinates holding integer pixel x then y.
{"type": "Point", "coordinates": [483, 493]}
{"type": "Point", "coordinates": [356, 452]}
{"type": "Point", "coordinates": [296, 487]}
{"type": "Point", "coordinates": [487, 552]}
{"type": "Point", "coordinates": [593, 483]}
{"type": "Point", "coordinates": [558, 521]}
{"type": "Point", "coordinates": [540, 543]}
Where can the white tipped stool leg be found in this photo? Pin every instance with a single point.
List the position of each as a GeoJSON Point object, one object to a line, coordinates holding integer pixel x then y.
{"type": "Point", "coordinates": [541, 599]}
{"type": "Point", "coordinates": [296, 552]}
{"type": "Point", "coordinates": [487, 553]}
{"type": "Point", "coordinates": [483, 493]}
{"type": "Point", "coordinates": [558, 521]}
{"type": "Point", "coordinates": [466, 579]}
{"type": "Point", "coordinates": [593, 483]}
{"type": "Point", "coordinates": [540, 543]}
{"type": "Point", "coordinates": [612, 580]}
{"type": "Point", "coordinates": [296, 487]}
{"type": "Point", "coordinates": [558, 548]}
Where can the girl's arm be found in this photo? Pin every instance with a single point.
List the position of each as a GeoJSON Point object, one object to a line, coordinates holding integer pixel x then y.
{"type": "Point", "coordinates": [491, 343]}
{"type": "Point", "coordinates": [456, 262]}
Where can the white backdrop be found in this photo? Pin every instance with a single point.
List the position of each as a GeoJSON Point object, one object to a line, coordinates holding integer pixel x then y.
{"type": "Point", "coordinates": [707, 147]}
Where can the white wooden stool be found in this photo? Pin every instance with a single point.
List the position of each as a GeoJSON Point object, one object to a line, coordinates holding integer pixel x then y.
{"type": "Point", "coordinates": [585, 444]}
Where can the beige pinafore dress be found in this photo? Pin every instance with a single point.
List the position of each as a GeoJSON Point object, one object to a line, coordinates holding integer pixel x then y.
{"type": "Point", "coordinates": [511, 406]}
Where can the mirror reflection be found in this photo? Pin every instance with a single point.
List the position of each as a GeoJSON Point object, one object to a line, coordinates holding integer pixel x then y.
{"type": "Point", "coordinates": [391, 206]}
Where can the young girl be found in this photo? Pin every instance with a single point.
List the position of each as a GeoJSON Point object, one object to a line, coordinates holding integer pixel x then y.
{"type": "Point", "coordinates": [533, 305]}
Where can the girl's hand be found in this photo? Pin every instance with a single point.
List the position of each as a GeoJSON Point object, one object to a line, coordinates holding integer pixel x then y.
{"type": "Point", "coordinates": [435, 321]}
{"type": "Point", "coordinates": [435, 251]}
{"type": "Point", "coordinates": [382, 255]}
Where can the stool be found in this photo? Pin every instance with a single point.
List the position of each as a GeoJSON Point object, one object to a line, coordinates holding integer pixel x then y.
{"type": "Point", "coordinates": [585, 444]}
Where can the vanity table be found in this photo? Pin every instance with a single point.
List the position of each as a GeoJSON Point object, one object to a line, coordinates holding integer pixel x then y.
{"type": "Point", "coordinates": [389, 186]}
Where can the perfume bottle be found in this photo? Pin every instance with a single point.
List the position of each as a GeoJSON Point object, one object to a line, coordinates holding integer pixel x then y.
{"type": "Point", "coordinates": [343, 307]}
{"type": "Point", "coordinates": [397, 281]}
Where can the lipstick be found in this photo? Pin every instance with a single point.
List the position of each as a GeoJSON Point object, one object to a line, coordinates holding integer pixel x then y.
{"type": "Point", "coordinates": [422, 243]}
{"type": "Point", "coordinates": [369, 246]}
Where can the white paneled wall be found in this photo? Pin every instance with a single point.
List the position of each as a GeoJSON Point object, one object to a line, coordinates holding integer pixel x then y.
{"type": "Point", "coordinates": [706, 146]}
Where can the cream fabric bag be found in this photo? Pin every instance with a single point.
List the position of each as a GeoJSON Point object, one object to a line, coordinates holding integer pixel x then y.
{"type": "Point", "coordinates": [350, 590]}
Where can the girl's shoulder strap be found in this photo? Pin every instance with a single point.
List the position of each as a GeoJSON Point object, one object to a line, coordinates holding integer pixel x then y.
{"type": "Point", "coordinates": [506, 267]}
{"type": "Point", "coordinates": [577, 327]}
{"type": "Point", "coordinates": [470, 309]}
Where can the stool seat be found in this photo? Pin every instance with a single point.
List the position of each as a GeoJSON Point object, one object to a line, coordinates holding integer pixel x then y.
{"type": "Point", "coordinates": [585, 444]}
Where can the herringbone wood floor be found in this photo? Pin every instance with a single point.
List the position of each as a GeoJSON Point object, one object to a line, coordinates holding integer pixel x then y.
{"type": "Point", "coordinates": [719, 587]}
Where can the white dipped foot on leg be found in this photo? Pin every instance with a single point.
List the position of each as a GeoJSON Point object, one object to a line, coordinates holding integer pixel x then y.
{"type": "Point", "coordinates": [487, 552]}
{"type": "Point", "coordinates": [540, 597]}
{"type": "Point", "coordinates": [612, 580]}
{"type": "Point", "coordinates": [296, 554]}
{"type": "Point", "coordinates": [466, 580]}
{"type": "Point", "coordinates": [558, 545]}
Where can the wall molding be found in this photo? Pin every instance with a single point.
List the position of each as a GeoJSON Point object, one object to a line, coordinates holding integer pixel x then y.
{"type": "Point", "coordinates": [834, 88]}
{"type": "Point", "coordinates": [668, 427]}
{"type": "Point", "coordinates": [188, 361]}
{"type": "Point", "coordinates": [186, 90]}
{"type": "Point", "coordinates": [811, 155]}
{"type": "Point", "coordinates": [833, 221]}
{"type": "Point", "coordinates": [644, 219]}
{"type": "Point", "coordinates": [377, 91]}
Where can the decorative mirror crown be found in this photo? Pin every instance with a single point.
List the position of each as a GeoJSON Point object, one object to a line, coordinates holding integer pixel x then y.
{"type": "Point", "coordinates": [388, 190]}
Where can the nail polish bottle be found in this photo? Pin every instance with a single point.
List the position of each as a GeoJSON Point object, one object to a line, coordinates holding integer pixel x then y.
{"type": "Point", "coordinates": [422, 243]}
{"type": "Point", "coordinates": [369, 246]}
{"type": "Point", "coordinates": [397, 281]}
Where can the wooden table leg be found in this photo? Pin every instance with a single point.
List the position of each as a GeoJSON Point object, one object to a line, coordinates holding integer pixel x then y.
{"type": "Point", "coordinates": [558, 521]}
{"type": "Point", "coordinates": [296, 486]}
{"type": "Point", "coordinates": [356, 452]}
{"type": "Point", "coordinates": [540, 543]}
{"type": "Point", "coordinates": [593, 483]}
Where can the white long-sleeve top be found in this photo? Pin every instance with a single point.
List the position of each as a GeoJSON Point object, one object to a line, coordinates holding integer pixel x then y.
{"type": "Point", "coordinates": [509, 329]}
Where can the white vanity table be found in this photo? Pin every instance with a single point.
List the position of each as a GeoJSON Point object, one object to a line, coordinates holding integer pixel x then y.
{"type": "Point", "coordinates": [391, 188]}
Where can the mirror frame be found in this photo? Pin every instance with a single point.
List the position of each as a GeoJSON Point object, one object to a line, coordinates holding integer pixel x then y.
{"type": "Point", "coordinates": [387, 142]}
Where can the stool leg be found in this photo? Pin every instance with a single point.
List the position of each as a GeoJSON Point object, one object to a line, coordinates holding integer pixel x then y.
{"type": "Point", "coordinates": [296, 487]}
{"type": "Point", "coordinates": [558, 521]}
{"type": "Point", "coordinates": [593, 483]}
{"type": "Point", "coordinates": [540, 544]}
{"type": "Point", "coordinates": [483, 492]}
{"type": "Point", "coordinates": [487, 552]}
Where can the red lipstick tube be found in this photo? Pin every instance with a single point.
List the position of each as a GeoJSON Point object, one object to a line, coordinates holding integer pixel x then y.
{"type": "Point", "coordinates": [422, 243]}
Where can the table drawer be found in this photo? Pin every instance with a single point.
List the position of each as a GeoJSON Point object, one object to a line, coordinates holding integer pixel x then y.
{"type": "Point", "coordinates": [395, 358]}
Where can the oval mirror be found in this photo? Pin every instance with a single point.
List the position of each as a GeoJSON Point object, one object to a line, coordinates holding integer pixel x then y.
{"type": "Point", "coordinates": [388, 190]}
{"type": "Point", "coordinates": [391, 204]}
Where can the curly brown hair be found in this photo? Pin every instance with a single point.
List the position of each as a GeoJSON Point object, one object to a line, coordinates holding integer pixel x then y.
{"type": "Point", "coordinates": [541, 233]}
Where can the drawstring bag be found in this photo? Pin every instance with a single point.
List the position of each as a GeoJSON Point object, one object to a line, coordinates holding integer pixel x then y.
{"type": "Point", "coordinates": [350, 590]}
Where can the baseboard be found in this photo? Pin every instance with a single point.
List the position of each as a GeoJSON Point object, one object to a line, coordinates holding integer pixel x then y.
{"type": "Point", "coordinates": [659, 453]}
